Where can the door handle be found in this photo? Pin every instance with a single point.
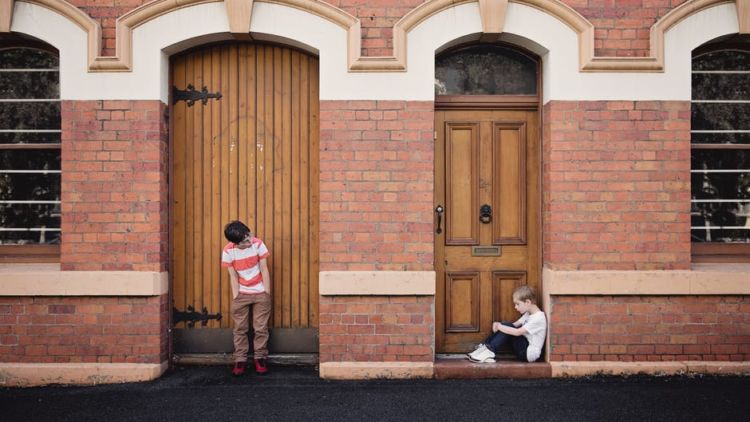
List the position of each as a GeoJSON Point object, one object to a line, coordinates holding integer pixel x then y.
{"type": "Point", "coordinates": [439, 211]}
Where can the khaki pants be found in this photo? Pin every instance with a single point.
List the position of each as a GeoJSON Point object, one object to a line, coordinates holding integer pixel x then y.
{"type": "Point", "coordinates": [261, 306]}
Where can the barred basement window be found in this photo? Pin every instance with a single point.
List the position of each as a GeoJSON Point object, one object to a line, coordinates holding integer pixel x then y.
{"type": "Point", "coordinates": [720, 155]}
{"type": "Point", "coordinates": [29, 155]}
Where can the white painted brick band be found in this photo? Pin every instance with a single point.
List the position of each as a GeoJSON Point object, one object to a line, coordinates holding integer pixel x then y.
{"type": "Point", "coordinates": [535, 29]}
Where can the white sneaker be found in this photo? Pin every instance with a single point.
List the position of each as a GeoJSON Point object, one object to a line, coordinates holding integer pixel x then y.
{"type": "Point", "coordinates": [482, 356]}
{"type": "Point", "coordinates": [480, 347]}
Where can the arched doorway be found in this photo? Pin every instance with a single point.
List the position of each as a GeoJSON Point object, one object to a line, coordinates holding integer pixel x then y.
{"type": "Point", "coordinates": [246, 148]}
{"type": "Point", "coordinates": [487, 188]}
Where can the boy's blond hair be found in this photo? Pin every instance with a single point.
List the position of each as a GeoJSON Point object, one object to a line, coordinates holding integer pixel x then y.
{"type": "Point", "coordinates": [524, 293]}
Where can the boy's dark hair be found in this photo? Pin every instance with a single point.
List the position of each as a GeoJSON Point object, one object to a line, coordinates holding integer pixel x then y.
{"type": "Point", "coordinates": [236, 231]}
{"type": "Point", "coordinates": [524, 293]}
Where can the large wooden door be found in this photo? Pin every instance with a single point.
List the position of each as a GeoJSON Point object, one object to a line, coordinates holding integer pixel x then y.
{"type": "Point", "coordinates": [252, 155]}
{"type": "Point", "coordinates": [487, 162]}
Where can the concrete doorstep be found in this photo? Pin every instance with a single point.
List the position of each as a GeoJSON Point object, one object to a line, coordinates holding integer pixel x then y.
{"type": "Point", "coordinates": [459, 367]}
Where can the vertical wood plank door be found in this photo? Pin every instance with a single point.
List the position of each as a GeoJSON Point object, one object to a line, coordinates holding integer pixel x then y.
{"type": "Point", "coordinates": [252, 155]}
{"type": "Point", "coordinates": [488, 159]}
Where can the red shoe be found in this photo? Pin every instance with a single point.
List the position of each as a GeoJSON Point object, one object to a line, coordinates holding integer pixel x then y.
{"type": "Point", "coordinates": [239, 368]}
{"type": "Point", "coordinates": [260, 367]}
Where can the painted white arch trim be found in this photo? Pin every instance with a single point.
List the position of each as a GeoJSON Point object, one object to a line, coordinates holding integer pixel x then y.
{"type": "Point", "coordinates": [563, 81]}
{"type": "Point", "coordinates": [555, 40]}
{"type": "Point", "coordinates": [166, 34]}
{"type": "Point", "coordinates": [238, 13]}
{"type": "Point", "coordinates": [557, 43]}
{"type": "Point", "coordinates": [492, 12]}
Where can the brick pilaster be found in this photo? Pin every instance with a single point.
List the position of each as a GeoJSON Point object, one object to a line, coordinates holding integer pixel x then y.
{"type": "Point", "coordinates": [114, 186]}
{"type": "Point", "coordinates": [377, 329]}
{"type": "Point", "coordinates": [376, 185]}
{"type": "Point", "coordinates": [650, 328]}
{"type": "Point", "coordinates": [617, 185]}
{"type": "Point", "coordinates": [84, 329]}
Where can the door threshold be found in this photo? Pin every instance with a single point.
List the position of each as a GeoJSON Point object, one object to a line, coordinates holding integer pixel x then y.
{"type": "Point", "coordinates": [501, 357]}
{"type": "Point", "coordinates": [284, 359]}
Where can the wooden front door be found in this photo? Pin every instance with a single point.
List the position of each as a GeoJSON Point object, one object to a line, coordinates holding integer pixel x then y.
{"type": "Point", "coordinates": [487, 241]}
{"type": "Point", "coordinates": [252, 155]}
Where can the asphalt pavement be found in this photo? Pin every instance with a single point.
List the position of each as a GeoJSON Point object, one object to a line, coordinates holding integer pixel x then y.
{"type": "Point", "coordinates": [209, 393]}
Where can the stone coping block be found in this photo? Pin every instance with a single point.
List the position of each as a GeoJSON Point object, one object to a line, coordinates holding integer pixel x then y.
{"type": "Point", "coordinates": [375, 370]}
{"type": "Point", "coordinates": [583, 369]}
{"type": "Point", "coordinates": [37, 374]}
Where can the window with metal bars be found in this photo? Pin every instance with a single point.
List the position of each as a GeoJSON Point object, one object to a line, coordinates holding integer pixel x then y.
{"type": "Point", "coordinates": [29, 154]}
{"type": "Point", "coordinates": [720, 152]}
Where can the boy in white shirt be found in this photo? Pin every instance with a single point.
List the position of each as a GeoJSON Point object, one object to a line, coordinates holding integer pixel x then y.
{"type": "Point", "coordinates": [526, 335]}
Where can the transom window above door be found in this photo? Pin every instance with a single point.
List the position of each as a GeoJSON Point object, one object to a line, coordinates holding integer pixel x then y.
{"type": "Point", "coordinates": [486, 69]}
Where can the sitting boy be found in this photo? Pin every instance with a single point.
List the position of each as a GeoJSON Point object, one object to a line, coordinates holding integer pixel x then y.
{"type": "Point", "coordinates": [526, 336]}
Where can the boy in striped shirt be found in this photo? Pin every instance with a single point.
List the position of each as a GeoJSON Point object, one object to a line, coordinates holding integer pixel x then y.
{"type": "Point", "coordinates": [245, 259]}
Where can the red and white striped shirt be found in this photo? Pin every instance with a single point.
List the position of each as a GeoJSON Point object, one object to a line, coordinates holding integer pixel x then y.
{"type": "Point", "coordinates": [247, 264]}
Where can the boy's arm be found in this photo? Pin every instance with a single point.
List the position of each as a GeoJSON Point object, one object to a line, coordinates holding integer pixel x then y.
{"type": "Point", "coordinates": [512, 331]}
{"type": "Point", "coordinates": [496, 326]}
{"type": "Point", "coordinates": [234, 281]}
{"type": "Point", "coordinates": [266, 275]}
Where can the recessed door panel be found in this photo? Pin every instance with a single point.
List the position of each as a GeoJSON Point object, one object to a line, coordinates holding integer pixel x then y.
{"type": "Point", "coordinates": [461, 169]}
{"type": "Point", "coordinates": [509, 182]}
{"type": "Point", "coordinates": [462, 302]}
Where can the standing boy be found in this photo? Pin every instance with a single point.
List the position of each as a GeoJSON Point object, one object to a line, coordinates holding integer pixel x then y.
{"type": "Point", "coordinates": [245, 259]}
{"type": "Point", "coordinates": [526, 336]}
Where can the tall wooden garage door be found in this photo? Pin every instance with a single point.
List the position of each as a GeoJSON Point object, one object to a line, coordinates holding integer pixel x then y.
{"type": "Point", "coordinates": [249, 154]}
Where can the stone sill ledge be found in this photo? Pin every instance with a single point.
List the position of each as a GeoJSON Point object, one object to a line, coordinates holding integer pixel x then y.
{"type": "Point", "coordinates": [49, 280]}
{"type": "Point", "coordinates": [377, 283]}
{"type": "Point", "coordinates": [702, 279]}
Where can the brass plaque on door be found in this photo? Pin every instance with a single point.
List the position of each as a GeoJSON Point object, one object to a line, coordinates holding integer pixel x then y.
{"type": "Point", "coordinates": [485, 251]}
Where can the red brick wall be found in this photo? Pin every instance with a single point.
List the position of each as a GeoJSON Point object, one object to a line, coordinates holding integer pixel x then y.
{"type": "Point", "coordinates": [106, 13]}
{"type": "Point", "coordinates": [83, 329]}
{"type": "Point", "coordinates": [650, 328]}
{"type": "Point", "coordinates": [622, 26]}
{"type": "Point", "coordinates": [377, 18]}
{"type": "Point", "coordinates": [617, 185]}
{"type": "Point", "coordinates": [376, 185]}
{"type": "Point", "coordinates": [377, 328]}
{"type": "Point", "coordinates": [114, 186]}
